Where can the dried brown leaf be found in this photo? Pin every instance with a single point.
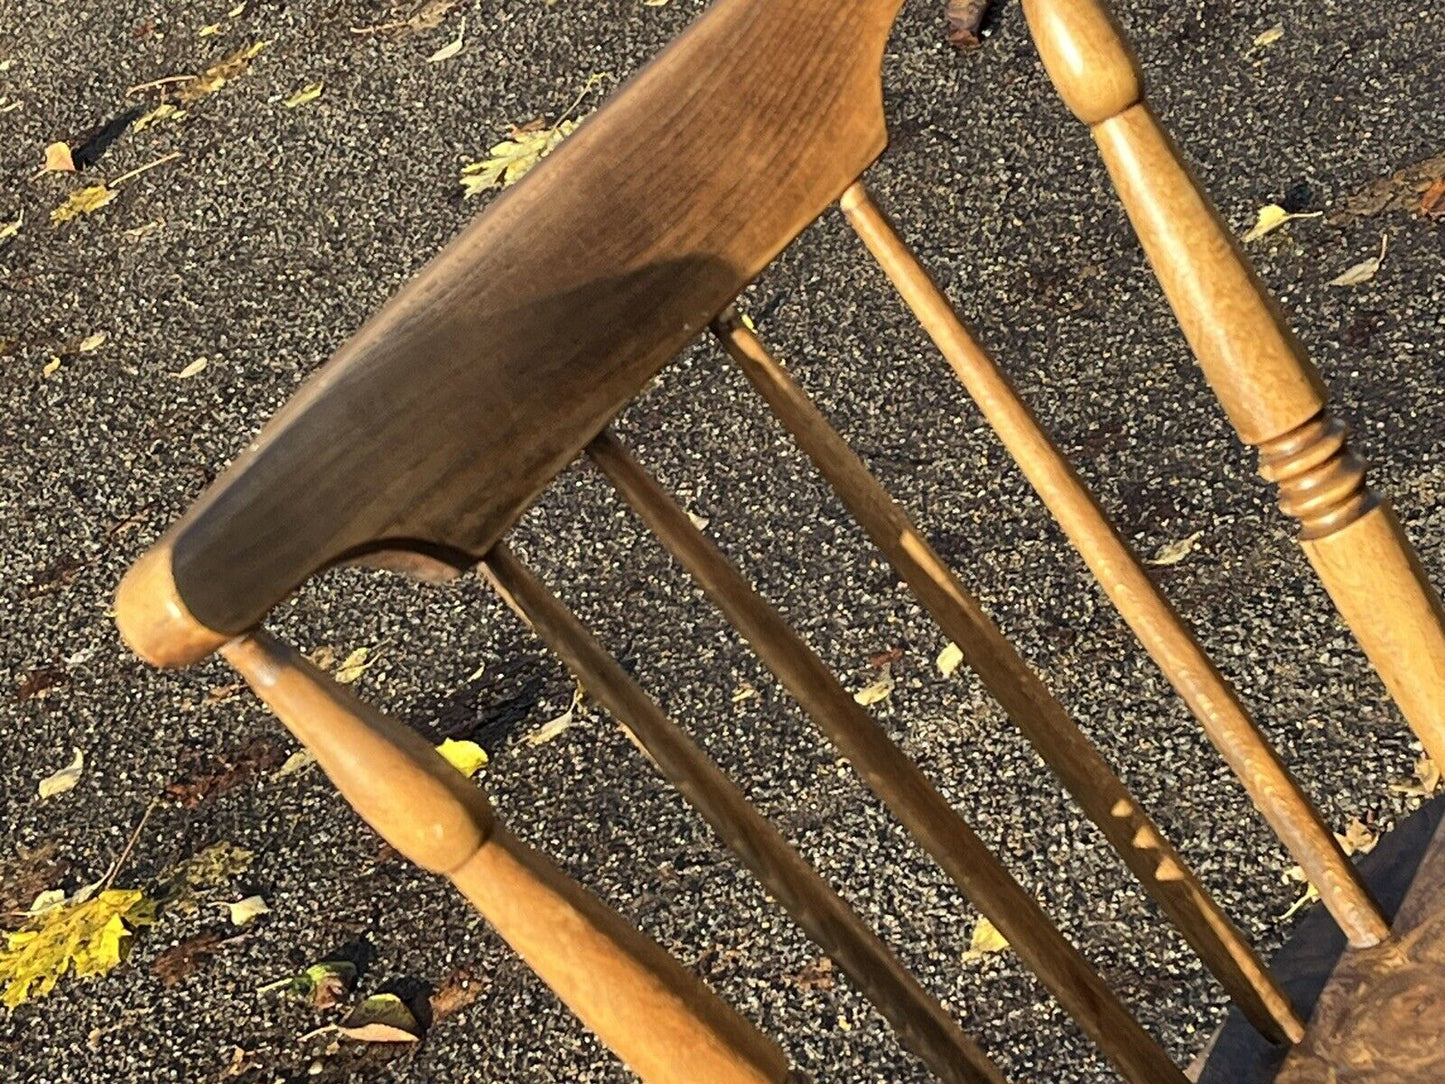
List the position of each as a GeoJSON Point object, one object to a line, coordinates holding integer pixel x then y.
{"type": "Point", "coordinates": [1432, 201]}
{"type": "Point", "coordinates": [42, 681]}
{"type": "Point", "coordinates": [818, 975]}
{"type": "Point", "coordinates": [58, 159]}
{"type": "Point", "coordinates": [1395, 192]}
{"type": "Point", "coordinates": [29, 873]}
{"type": "Point", "coordinates": [458, 990]}
{"type": "Point", "coordinates": [965, 19]}
{"type": "Point", "coordinates": [225, 771]}
{"type": "Point", "coordinates": [185, 959]}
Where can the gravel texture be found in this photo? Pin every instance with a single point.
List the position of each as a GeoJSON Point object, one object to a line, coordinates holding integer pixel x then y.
{"type": "Point", "coordinates": [278, 230]}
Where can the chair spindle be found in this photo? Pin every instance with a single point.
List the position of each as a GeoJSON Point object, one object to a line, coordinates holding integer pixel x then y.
{"type": "Point", "coordinates": [662, 1021]}
{"type": "Point", "coordinates": [1161, 630]}
{"type": "Point", "coordinates": [915, 1015]}
{"type": "Point", "coordinates": [891, 775]}
{"type": "Point", "coordinates": [1054, 735]}
{"type": "Point", "coordinates": [1266, 383]}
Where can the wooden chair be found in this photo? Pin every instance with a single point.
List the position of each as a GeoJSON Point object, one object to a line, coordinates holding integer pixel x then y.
{"type": "Point", "coordinates": [421, 442]}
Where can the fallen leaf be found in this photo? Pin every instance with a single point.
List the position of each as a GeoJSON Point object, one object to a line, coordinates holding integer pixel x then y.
{"type": "Point", "coordinates": [219, 694]}
{"type": "Point", "coordinates": [166, 111]}
{"type": "Point", "coordinates": [1271, 217]}
{"type": "Point", "coordinates": [58, 159]}
{"type": "Point", "coordinates": [83, 201]}
{"type": "Point", "coordinates": [183, 960]}
{"type": "Point", "coordinates": [949, 659]}
{"type": "Point", "coordinates": [220, 73]}
{"type": "Point", "coordinates": [1425, 783]}
{"type": "Point", "coordinates": [236, 1064]}
{"type": "Point", "coordinates": [458, 990]}
{"type": "Point", "coordinates": [245, 911]}
{"type": "Point", "coordinates": [553, 728]}
{"type": "Point", "coordinates": [48, 900]}
{"type": "Point", "coordinates": [1268, 37]}
{"type": "Point", "coordinates": [309, 93]}
{"type": "Point", "coordinates": [1397, 191]}
{"type": "Point", "coordinates": [1365, 270]}
{"type": "Point", "coordinates": [190, 370]}
{"type": "Point", "coordinates": [1296, 875]}
{"type": "Point", "coordinates": [964, 19]}
{"type": "Point", "coordinates": [322, 985]}
{"type": "Point", "coordinates": [452, 48]}
{"type": "Point", "coordinates": [984, 940]}
{"type": "Point", "coordinates": [88, 937]}
{"type": "Point", "coordinates": [93, 341]}
{"type": "Point", "coordinates": [885, 658]}
{"type": "Point", "coordinates": [353, 666]}
{"type": "Point", "coordinates": [209, 29]}
{"type": "Point", "coordinates": [381, 1018]}
{"type": "Point", "coordinates": [23, 878]}
{"type": "Point", "coordinates": [1357, 837]}
{"type": "Point", "coordinates": [466, 757]}
{"type": "Point", "coordinates": [226, 771]}
{"type": "Point", "coordinates": [1432, 202]}
{"type": "Point", "coordinates": [41, 682]}
{"type": "Point", "coordinates": [1174, 552]}
{"type": "Point", "coordinates": [10, 229]}
{"type": "Point", "coordinates": [879, 691]}
{"type": "Point", "coordinates": [65, 779]}
{"type": "Point", "coordinates": [323, 658]}
{"type": "Point", "coordinates": [210, 868]}
{"type": "Point", "coordinates": [297, 761]}
{"type": "Point", "coordinates": [745, 691]}
{"type": "Point", "coordinates": [513, 158]}
{"type": "Point", "coordinates": [818, 975]}
{"type": "Point", "coordinates": [51, 367]}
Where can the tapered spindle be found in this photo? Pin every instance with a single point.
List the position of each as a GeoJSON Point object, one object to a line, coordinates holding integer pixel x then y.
{"type": "Point", "coordinates": [1119, 572]}
{"type": "Point", "coordinates": [1043, 720]}
{"type": "Point", "coordinates": [891, 775]}
{"type": "Point", "coordinates": [659, 1019]}
{"type": "Point", "coordinates": [1270, 390]}
{"type": "Point", "coordinates": [921, 1023]}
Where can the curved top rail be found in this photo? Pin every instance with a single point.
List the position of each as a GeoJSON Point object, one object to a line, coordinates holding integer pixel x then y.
{"type": "Point", "coordinates": [435, 426]}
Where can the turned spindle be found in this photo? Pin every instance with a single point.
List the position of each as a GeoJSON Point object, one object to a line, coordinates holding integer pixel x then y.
{"type": "Point", "coordinates": [1270, 390]}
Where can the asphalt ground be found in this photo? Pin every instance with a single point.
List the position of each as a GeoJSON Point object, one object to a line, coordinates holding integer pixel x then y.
{"type": "Point", "coordinates": [278, 230]}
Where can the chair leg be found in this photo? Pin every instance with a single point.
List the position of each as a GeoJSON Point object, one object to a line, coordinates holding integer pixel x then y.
{"type": "Point", "coordinates": [662, 1021]}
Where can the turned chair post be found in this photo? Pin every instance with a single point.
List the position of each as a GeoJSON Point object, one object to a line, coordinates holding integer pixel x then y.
{"type": "Point", "coordinates": [657, 1017]}
{"type": "Point", "coordinates": [1270, 390]}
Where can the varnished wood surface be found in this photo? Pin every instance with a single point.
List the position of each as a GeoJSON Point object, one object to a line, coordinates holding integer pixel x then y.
{"type": "Point", "coordinates": [921, 1023]}
{"type": "Point", "coordinates": [1267, 385]}
{"type": "Point", "coordinates": [662, 1021]}
{"type": "Point", "coordinates": [891, 775]}
{"type": "Point", "coordinates": [434, 426]}
{"type": "Point", "coordinates": [1054, 735]}
{"type": "Point", "coordinates": [1161, 630]}
{"type": "Point", "coordinates": [1381, 1017]}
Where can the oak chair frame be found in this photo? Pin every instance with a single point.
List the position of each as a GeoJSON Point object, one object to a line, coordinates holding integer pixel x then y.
{"type": "Point", "coordinates": [506, 411]}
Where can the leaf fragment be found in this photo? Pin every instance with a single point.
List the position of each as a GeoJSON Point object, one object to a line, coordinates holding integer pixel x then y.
{"type": "Point", "coordinates": [1268, 37]}
{"type": "Point", "coordinates": [58, 158]}
{"type": "Point", "coordinates": [297, 761]}
{"type": "Point", "coordinates": [878, 691]}
{"type": "Point", "coordinates": [1432, 200]}
{"type": "Point", "coordinates": [323, 985]}
{"type": "Point", "coordinates": [10, 229]}
{"type": "Point", "coordinates": [83, 937]}
{"type": "Point", "coordinates": [183, 960]}
{"type": "Point", "coordinates": [220, 73]}
{"type": "Point", "coordinates": [65, 779]}
{"type": "Point", "coordinates": [458, 990]}
{"type": "Point", "coordinates": [381, 1018]}
{"type": "Point", "coordinates": [1172, 553]}
{"type": "Point", "coordinates": [353, 666]}
{"type": "Point", "coordinates": [1365, 270]}
{"type": "Point", "coordinates": [451, 48]}
{"type": "Point", "coordinates": [1271, 217]}
{"type": "Point", "coordinates": [1425, 783]}
{"type": "Point", "coordinates": [94, 341]}
{"type": "Point", "coordinates": [190, 370]}
{"type": "Point", "coordinates": [166, 111]}
{"type": "Point", "coordinates": [466, 757]}
{"type": "Point", "coordinates": [553, 728]}
{"type": "Point", "coordinates": [83, 201]}
{"type": "Point", "coordinates": [1357, 838]}
{"type": "Point", "coordinates": [984, 940]}
{"type": "Point", "coordinates": [245, 911]}
{"type": "Point", "coordinates": [949, 659]}
{"type": "Point", "coordinates": [309, 93]}
{"type": "Point", "coordinates": [209, 868]}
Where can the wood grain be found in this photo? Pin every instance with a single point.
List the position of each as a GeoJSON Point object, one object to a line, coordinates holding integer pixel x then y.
{"type": "Point", "coordinates": [1054, 735]}
{"type": "Point", "coordinates": [1267, 385]}
{"type": "Point", "coordinates": [1274, 791]}
{"type": "Point", "coordinates": [438, 423]}
{"type": "Point", "coordinates": [638, 1000]}
{"type": "Point", "coordinates": [921, 1023]}
{"type": "Point", "coordinates": [891, 775]}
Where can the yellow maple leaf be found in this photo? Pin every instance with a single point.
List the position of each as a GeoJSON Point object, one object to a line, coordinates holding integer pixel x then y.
{"type": "Point", "coordinates": [513, 158]}
{"type": "Point", "coordinates": [83, 201]}
{"type": "Point", "coordinates": [86, 937]}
